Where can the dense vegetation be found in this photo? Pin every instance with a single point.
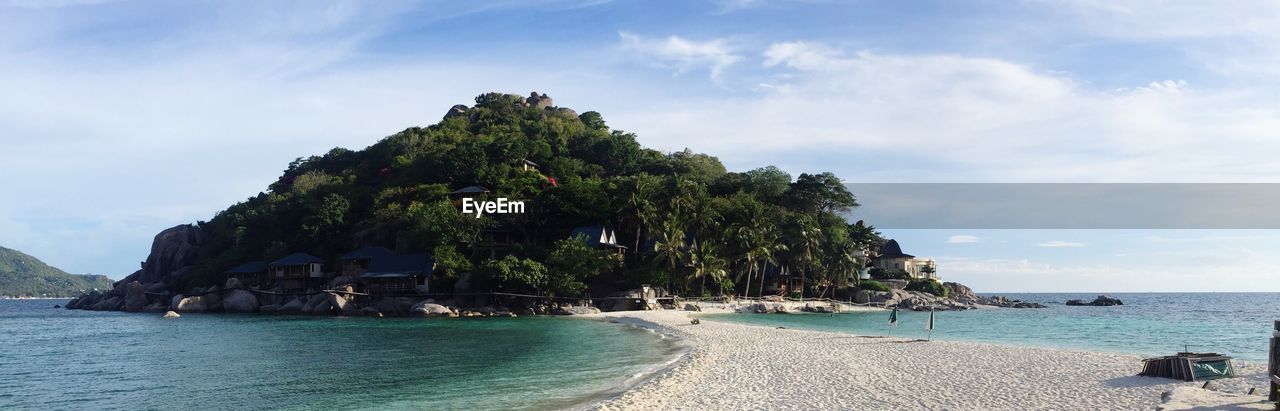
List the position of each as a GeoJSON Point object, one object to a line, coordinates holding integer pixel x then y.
{"type": "Point", "coordinates": [22, 275]}
{"type": "Point", "coordinates": [688, 223]}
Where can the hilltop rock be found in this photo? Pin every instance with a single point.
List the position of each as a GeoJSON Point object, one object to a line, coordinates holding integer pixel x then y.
{"type": "Point", "coordinates": [457, 110]}
{"type": "Point", "coordinates": [1100, 301]}
{"type": "Point", "coordinates": [135, 297]}
{"type": "Point", "coordinates": [539, 101]}
{"type": "Point", "coordinates": [171, 250]}
{"type": "Point", "coordinates": [239, 301]}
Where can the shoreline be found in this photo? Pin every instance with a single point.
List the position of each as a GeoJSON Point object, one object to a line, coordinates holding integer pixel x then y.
{"type": "Point", "coordinates": [730, 365]}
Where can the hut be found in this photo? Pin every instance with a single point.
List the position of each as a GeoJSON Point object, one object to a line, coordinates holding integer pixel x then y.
{"type": "Point", "coordinates": [297, 271]}
{"type": "Point", "coordinates": [251, 274]}
{"type": "Point", "coordinates": [398, 274]}
{"type": "Point", "coordinates": [468, 192]}
{"type": "Point", "coordinates": [354, 263]}
{"type": "Point", "coordinates": [599, 237]}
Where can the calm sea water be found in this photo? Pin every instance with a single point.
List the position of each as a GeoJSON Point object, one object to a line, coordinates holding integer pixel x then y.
{"type": "Point", "coordinates": [71, 359]}
{"type": "Point", "coordinates": [1236, 324]}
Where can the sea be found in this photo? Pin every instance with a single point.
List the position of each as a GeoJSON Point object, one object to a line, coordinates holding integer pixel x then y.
{"type": "Point", "coordinates": [53, 358]}
{"type": "Point", "coordinates": [1148, 324]}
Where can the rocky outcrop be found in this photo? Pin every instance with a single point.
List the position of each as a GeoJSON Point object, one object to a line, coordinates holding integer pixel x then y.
{"type": "Point", "coordinates": [960, 293]}
{"type": "Point", "coordinates": [171, 250]}
{"type": "Point", "coordinates": [135, 297]}
{"type": "Point", "coordinates": [1100, 301]}
{"type": "Point", "coordinates": [232, 283]}
{"type": "Point", "coordinates": [239, 301]}
{"type": "Point", "coordinates": [458, 110]}
{"type": "Point", "coordinates": [294, 306]}
{"type": "Point", "coordinates": [764, 308]}
{"type": "Point", "coordinates": [196, 304]}
{"type": "Point", "coordinates": [1005, 302]}
{"type": "Point", "coordinates": [692, 307]}
{"type": "Point", "coordinates": [538, 101]}
{"type": "Point", "coordinates": [431, 309]}
{"type": "Point", "coordinates": [576, 310]}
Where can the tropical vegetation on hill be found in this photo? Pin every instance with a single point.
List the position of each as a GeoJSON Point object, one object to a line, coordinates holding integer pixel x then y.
{"type": "Point", "coordinates": [22, 275]}
{"type": "Point", "coordinates": [688, 224]}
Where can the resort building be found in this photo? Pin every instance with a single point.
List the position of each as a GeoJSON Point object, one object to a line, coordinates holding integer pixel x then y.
{"type": "Point", "coordinates": [891, 258]}
{"type": "Point", "coordinates": [496, 241]}
{"type": "Point", "coordinates": [252, 274]}
{"type": "Point", "coordinates": [599, 237]}
{"type": "Point", "coordinates": [398, 274]}
{"type": "Point", "coordinates": [354, 264]}
{"type": "Point", "coordinates": [297, 271]}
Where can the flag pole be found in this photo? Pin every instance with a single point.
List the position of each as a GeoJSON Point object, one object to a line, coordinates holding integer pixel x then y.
{"type": "Point", "coordinates": [930, 323]}
{"type": "Point", "coordinates": [893, 321]}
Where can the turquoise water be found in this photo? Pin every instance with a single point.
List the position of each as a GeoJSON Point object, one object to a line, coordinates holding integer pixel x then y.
{"type": "Point", "coordinates": [1236, 324]}
{"type": "Point", "coordinates": [71, 359]}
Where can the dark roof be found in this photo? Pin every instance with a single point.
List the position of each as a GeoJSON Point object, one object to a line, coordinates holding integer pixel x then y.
{"type": "Point", "coordinates": [252, 267]}
{"type": "Point", "coordinates": [891, 249]}
{"type": "Point", "coordinates": [393, 265]}
{"type": "Point", "coordinates": [471, 190]}
{"type": "Point", "coordinates": [297, 259]}
{"type": "Point", "coordinates": [366, 253]}
{"type": "Point", "coordinates": [593, 234]}
{"type": "Point", "coordinates": [526, 161]}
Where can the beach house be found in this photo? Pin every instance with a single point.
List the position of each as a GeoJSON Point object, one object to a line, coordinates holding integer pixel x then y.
{"type": "Point", "coordinates": [354, 264]}
{"type": "Point", "coordinates": [600, 237]}
{"type": "Point", "coordinates": [891, 258]}
{"type": "Point", "coordinates": [398, 274]}
{"type": "Point", "coordinates": [297, 271]}
{"type": "Point", "coordinates": [252, 274]}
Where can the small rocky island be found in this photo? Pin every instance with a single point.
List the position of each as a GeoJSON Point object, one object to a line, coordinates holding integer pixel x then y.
{"type": "Point", "coordinates": [1100, 301]}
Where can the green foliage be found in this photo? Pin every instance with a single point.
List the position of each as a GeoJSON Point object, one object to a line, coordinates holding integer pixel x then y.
{"type": "Point", "coordinates": [22, 275]}
{"type": "Point", "coordinates": [883, 274]}
{"type": "Point", "coordinates": [573, 262]}
{"type": "Point", "coordinates": [873, 285]}
{"type": "Point", "coordinates": [927, 285]}
{"type": "Point", "coordinates": [512, 274]}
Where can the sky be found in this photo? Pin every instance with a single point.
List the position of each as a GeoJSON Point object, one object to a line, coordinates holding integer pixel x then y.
{"type": "Point", "coordinates": [121, 118]}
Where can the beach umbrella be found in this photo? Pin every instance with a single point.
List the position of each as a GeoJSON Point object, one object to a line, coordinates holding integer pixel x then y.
{"type": "Point", "coordinates": [893, 320]}
{"type": "Point", "coordinates": [930, 323]}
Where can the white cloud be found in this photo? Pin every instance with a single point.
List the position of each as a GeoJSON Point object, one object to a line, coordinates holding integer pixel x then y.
{"type": "Point", "coordinates": [962, 239]}
{"type": "Point", "coordinates": [1061, 244]}
{"type": "Point", "coordinates": [680, 54]}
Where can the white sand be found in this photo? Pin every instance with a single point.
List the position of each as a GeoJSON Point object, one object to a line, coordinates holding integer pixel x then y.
{"type": "Point", "coordinates": [742, 366]}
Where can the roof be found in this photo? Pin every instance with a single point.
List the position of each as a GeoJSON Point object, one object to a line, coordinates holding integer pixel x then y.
{"type": "Point", "coordinates": [252, 267]}
{"type": "Point", "coordinates": [297, 259]}
{"type": "Point", "coordinates": [470, 190]}
{"type": "Point", "coordinates": [597, 236]}
{"type": "Point", "coordinates": [891, 249]}
{"type": "Point", "coordinates": [366, 253]}
{"type": "Point", "coordinates": [393, 265]}
{"type": "Point", "coordinates": [527, 162]}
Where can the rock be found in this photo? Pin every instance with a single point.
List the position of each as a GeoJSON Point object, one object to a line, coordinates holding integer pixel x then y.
{"type": "Point", "coordinates": [692, 307]}
{"type": "Point", "coordinates": [538, 101]}
{"type": "Point", "coordinates": [393, 306]}
{"type": "Point", "coordinates": [1100, 301]}
{"type": "Point", "coordinates": [191, 304]}
{"type": "Point", "coordinates": [74, 303]}
{"type": "Point", "coordinates": [371, 312]}
{"type": "Point", "coordinates": [171, 250]}
{"type": "Point", "coordinates": [157, 307]}
{"type": "Point", "coordinates": [960, 292]}
{"type": "Point", "coordinates": [269, 308]}
{"type": "Point", "coordinates": [239, 301]}
{"type": "Point", "coordinates": [294, 306]}
{"type": "Point", "coordinates": [110, 304]}
{"type": "Point", "coordinates": [135, 297]}
{"type": "Point", "coordinates": [157, 288]}
{"type": "Point", "coordinates": [171, 315]}
{"type": "Point", "coordinates": [173, 302]}
{"type": "Point", "coordinates": [456, 111]}
{"type": "Point", "coordinates": [427, 309]}
{"type": "Point", "coordinates": [57, 306]}
{"type": "Point", "coordinates": [232, 283]}
{"type": "Point", "coordinates": [576, 310]}
{"type": "Point", "coordinates": [895, 284]}
{"type": "Point", "coordinates": [774, 298]}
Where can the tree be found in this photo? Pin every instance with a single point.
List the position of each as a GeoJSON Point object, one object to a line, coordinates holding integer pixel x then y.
{"type": "Point", "coordinates": [706, 262]}
{"type": "Point", "coordinates": [512, 274]}
{"type": "Point", "coordinates": [670, 248]}
{"type": "Point", "coordinates": [573, 262]}
{"type": "Point", "coordinates": [820, 193]}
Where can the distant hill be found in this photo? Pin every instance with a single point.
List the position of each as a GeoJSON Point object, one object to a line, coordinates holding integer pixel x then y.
{"type": "Point", "coordinates": [22, 275]}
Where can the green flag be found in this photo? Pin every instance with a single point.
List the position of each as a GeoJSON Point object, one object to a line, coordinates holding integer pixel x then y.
{"type": "Point", "coordinates": [893, 317]}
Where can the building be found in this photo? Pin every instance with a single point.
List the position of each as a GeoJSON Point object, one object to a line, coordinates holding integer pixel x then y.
{"type": "Point", "coordinates": [890, 257]}
{"type": "Point", "coordinates": [354, 263]}
{"type": "Point", "coordinates": [599, 237]}
{"type": "Point", "coordinates": [297, 271]}
{"type": "Point", "coordinates": [398, 274]}
{"type": "Point", "coordinates": [252, 274]}
{"type": "Point", "coordinates": [496, 241]}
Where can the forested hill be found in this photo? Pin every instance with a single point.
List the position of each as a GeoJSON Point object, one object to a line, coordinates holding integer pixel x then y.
{"type": "Point", "coordinates": [683, 217]}
{"type": "Point", "coordinates": [22, 275]}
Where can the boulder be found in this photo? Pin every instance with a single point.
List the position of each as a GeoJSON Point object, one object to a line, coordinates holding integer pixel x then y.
{"type": "Point", "coordinates": [960, 292]}
{"type": "Point", "coordinates": [171, 250]}
{"type": "Point", "coordinates": [173, 302]}
{"type": "Point", "coordinates": [191, 304]}
{"type": "Point", "coordinates": [692, 307]}
{"type": "Point", "coordinates": [109, 304]}
{"type": "Point", "coordinates": [294, 306]}
{"type": "Point", "coordinates": [456, 111]}
{"type": "Point", "coordinates": [232, 283]}
{"type": "Point", "coordinates": [538, 101]}
{"type": "Point", "coordinates": [268, 308]}
{"type": "Point", "coordinates": [576, 310]}
{"type": "Point", "coordinates": [171, 315]}
{"type": "Point", "coordinates": [329, 304]}
{"type": "Point", "coordinates": [1100, 301]}
{"type": "Point", "coordinates": [428, 309]}
{"type": "Point", "coordinates": [157, 307]}
{"type": "Point", "coordinates": [239, 301]}
{"type": "Point", "coordinates": [74, 303]}
{"type": "Point", "coordinates": [135, 297]}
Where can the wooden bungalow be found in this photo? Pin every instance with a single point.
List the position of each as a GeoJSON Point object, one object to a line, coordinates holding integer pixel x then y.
{"type": "Point", "coordinates": [297, 271]}
{"type": "Point", "coordinates": [469, 191]}
{"type": "Point", "coordinates": [599, 237]}
{"type": "Point", "coordinates": [496, 241]}
{"type": "Point", "coordinates": [354, 263]}
{"type": "Point", "coordinates": [399, 274]}
{"type": "Point", "coordinates": [252, 274]}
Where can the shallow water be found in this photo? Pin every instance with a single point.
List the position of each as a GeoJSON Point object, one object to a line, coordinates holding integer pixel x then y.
{"type": "Point", "coordinates": [1149, 324]}
{"type": "Point", "coordinates": [72, 359]}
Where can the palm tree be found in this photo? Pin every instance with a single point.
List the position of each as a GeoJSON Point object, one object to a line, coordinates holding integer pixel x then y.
{"type": "Point", "coordinates": [670, 247]}
{"type": "Point", "coordinates": [706, 261]}
{"type": "Point", "coordinates": [768, 247]}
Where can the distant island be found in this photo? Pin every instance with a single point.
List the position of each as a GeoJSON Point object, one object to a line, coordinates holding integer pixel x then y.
{"type": "Point", "coordinates": [24, 276]}
{"type": "Point", "coordinates": [519, 204]}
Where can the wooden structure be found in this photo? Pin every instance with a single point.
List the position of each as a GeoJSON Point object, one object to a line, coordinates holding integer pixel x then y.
{"type": "Point", "coordinates": [1188, 366]}
{"type": "Point", "coordinates": [251, 274]}
{"type": "Point", "coordinates": [599, 237]}
{"type": "Point", "coordinates": [495, 241]}
{"type": "Point", "coordinates": [354, 264]}
{"type": "Point", "coordinates": [297, 271]}
{"type": "Point", "coordinates": [398, 274]}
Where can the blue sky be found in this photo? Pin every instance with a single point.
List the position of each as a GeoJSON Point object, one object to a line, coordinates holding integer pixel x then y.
{"type": "Point", "coordinates": [121, 118]}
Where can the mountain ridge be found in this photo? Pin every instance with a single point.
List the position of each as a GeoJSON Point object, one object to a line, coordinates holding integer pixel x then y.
{"type": "Point", "coordinates": [22, 275]}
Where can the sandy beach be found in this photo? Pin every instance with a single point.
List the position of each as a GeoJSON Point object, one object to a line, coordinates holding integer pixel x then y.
{"type": "Point", "coordinates": [742, 366]}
